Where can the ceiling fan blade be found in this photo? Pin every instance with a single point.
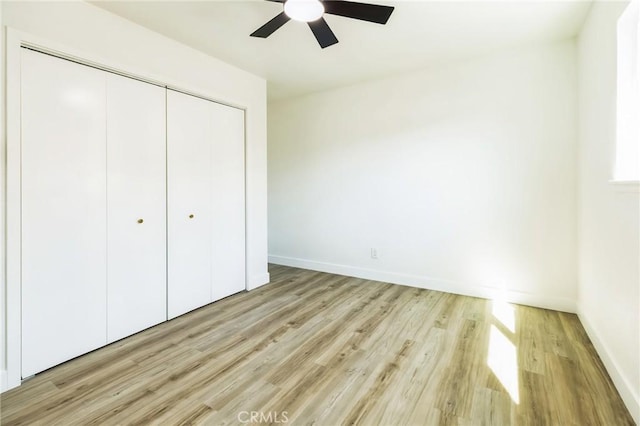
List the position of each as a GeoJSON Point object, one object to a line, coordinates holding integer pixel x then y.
{"type": "Point", "coordinates": [362, 11]}
{"type": "Point", "coordinates": [270, 27]}
{"type": "Point", "coordinates": [323, 33]}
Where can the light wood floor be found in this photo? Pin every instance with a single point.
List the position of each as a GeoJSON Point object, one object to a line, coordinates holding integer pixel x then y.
{"type": "Point", "coordinates": [315, 348]}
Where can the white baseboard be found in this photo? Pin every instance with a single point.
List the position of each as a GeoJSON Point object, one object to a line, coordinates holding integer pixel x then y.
{"type": "Point", "coordinates": [258, 281]}
{"type": "Point", "coordinates": [522, 298]}
{"type": "Point", "coordinates": [628, 393]}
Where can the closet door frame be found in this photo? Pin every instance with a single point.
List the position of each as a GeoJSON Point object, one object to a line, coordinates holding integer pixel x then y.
{"type": "Point", "coordinates": [10, 176]}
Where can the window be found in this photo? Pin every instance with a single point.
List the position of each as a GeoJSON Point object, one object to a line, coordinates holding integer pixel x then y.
{"type": "Point", "coordinates": [627, 166]}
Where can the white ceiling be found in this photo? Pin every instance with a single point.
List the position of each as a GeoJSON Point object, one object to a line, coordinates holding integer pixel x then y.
{"type": "Point", "coordinates": [419, 34]}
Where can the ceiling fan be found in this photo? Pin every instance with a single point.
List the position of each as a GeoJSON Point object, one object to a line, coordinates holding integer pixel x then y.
{"type": "Point", "coordinates": [311, 11]}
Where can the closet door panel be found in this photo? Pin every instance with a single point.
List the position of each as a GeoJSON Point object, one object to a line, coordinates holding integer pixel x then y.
{"type": "Point", "coordinates": [136, 194]}
{"type": "Point", "coordinates": [63, 211]}
{"type": "Point", "coordinates": [228, 219]}
{"type": "Point", "coordinates": [189, 136]}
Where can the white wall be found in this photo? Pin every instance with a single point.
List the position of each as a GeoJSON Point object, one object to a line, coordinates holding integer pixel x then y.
{"type": "Point", "coordinates": [609, 235]}
{"type": "Point", "coordinates": [463, 178]}
{"type": "Point", "coordinates": [85, 28]}
{"type": "Point", "coordinates": [3, 330]}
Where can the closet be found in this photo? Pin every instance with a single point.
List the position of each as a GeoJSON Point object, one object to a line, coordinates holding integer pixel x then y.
{"type": "Point", "coordinates": [132, 207]}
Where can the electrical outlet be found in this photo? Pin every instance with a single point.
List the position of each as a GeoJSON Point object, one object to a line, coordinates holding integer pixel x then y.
{"type": "Point", "coordinates": [374, 253]}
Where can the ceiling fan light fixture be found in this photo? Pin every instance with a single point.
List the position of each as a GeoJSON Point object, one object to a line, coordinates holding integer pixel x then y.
{"type": "Point", "coordinates": [304, 10]}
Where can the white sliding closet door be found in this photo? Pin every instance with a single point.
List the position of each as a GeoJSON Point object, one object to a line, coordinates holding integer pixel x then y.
{"type": "Point", "coordinates": [228, 219]}
{"type": "Point", "coordinates": [205, 180]}
{"type": "Point", "coordinates": [189, 192]}
{"type": "Point", "coordinates": [63, 211]}
{"type": "Point", "coordinates": [136, 193]}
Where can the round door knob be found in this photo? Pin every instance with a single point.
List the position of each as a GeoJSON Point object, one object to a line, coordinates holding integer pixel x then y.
{"type": "Point", "coordinates": [140, 220]}
{"type": "Point", "coordinates": [190, 216]}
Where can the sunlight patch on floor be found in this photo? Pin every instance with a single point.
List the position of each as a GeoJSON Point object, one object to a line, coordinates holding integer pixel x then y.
{"type": "Point", "coordinates": [503, 361]}
{"type": "Point", "coordinates": [505, 313]}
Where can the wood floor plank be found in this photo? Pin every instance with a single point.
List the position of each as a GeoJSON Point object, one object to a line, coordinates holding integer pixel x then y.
{"type": "Point", "coordinates": [325, 349]}
{"type": "Point", "coordinates": [530, 341]}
